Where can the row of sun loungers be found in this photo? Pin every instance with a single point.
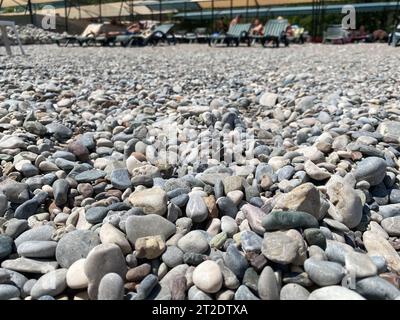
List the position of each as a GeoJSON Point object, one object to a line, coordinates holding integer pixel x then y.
{"type": "Point", "coordinates": [274, 31]}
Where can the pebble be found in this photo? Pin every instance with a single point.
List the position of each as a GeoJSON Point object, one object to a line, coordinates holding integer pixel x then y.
{"type": "Point", "coordinates": [376, 288]}
{"type": "Point", "coordinates": [37, 249]}
{"type": "Point", "coordinates": [279, 247]}
{"type": "Point", "coordinates": [50, 284]}
{"type": "Point", "coordinates": [95, 268]}
{"type": "Point", "coordinates": [277, 220]}
{"type": "Point", "coordinates": [196, 208]}
{"type": "Point", "coordinates": [268, 288]}
{"type": "Point", "coordinates": [150, 225]}
{"type": "Point", "coordinates": [372, 170]}
{"type": "Point", "coordinates": [8, 291]}
{"type": "Point", "coordinates": [130, 183]}
{"type": "Point", "coordinates": [151, 201]}
{"type": "Point", "coordinates": [293, 291]}
{"type": "Point", "coordinates": [74, 246]}
{"type": "Point", "coordinates": [173, 256]}
{"type": "Point", "coordinates": [76, 277]}
{"type": "Point", "coordinates": [111, 287]}
{"type": "Point", "coordinates": [194, 241]}
{"type": "Point", "coordinates": [208, 277]}
{"type": "Point", "coordinates": [324, 273]}
{"type": "Point", "coordinates": [334, 293]}
{"type": "Point", "coordinates": [149, 247]}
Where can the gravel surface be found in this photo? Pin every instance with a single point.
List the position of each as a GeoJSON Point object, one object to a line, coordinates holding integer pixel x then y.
{"type": "Point", "coordinates": [191, 172]}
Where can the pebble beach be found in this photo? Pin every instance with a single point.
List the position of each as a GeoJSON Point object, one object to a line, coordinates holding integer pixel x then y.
{"type": "Point", "coordinates": [195, 173]}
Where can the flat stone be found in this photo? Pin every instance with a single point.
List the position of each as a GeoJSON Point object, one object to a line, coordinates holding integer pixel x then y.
{"type": "Point", "coordinates": [90, 175]}
{"type": "Point", "coordinates": [376, 245]}
{"type": "Point", "coordinates": [371, 169]}
{"type": "Point", "coordinates": [110, 234]}
{"type": "Point", "coordinates": [376, 288]}
{"type": "Point", "coordinates": [173, 256]}
{"type": "Point", "coordinates": [391, 225]}
{"type": "Point", "coordinates": [254, 216]}
{"type": "Point", "coordinates": [303, 198]}
{"type": "Point", "coordinates": [334, 293]}
{"type": "Point", "coordinates": [250, 241]}
{"type": "Point", "coordinates": [29, 265]}
{"type": "Point", "coordinates": [75, 245]}
{"type": "Point", "coordinates": [346, 203]}
{"type": "Point", "coordinates": [324, 273]}
{"type": "Point", "coordinates": [96, 215]}
{"type": "Point", "coordinates": [360, 265]}
{"type": "Point", "coordinates": [235, 261]}
{"type": "Point", "coordinates": [39, 233]}
{"type": "Point", "coordinates": [315, 172]}
{"type": "Point", "coordinates": [8, 291]}
{"type": "Point", "coordinates": [278, 220]}
{"type": "Point", "coordinates": [151, 201]}
{"type": "Point", "coordinates": [37, 249]}
{"type": "Point", "coordinates": [6, 244]}
{"type": "Point", "coordinates": [279, 247]}
{"type": "Point", "coordinates": [120, 179]}
{"type": "Point", "coordinates": [194, 241]}
{"type": "Point", "coordinates": [16, 192]}
{"type": "Point", "coordinates": [95, 267]}
{"type": "Point", "coordinates": [52, 284]}
{"type": "Point", "coordinates": [149, 225]}
{"type": "Point", "coordinates": [294, 291]}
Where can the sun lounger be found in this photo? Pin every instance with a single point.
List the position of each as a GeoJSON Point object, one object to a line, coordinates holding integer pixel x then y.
{"type": "Point", "coordinates": [275, 31]}
{"type": "Point", "coordinates": [335, 33]}
{"type": "Point", "coordinates": [87, 37]}
{"type": "Point", "coordinates": [162, 32]}
{"type": "Point", "coordinates": [237, 33]}
{"type": "Point", "coordinates": [394, 37]}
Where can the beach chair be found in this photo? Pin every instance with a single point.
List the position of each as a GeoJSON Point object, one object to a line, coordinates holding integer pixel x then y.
{"type": "Point", "coordinates": [394, 37]}
{"type": "Point", "coordinates": [161, 33]}
{"type": "Point", "coordinates": [199, 35]}
{"type": "Point", "coordinates": [237, 33]}
{"type": "Point", "coordinates": [335, 33]}
{"type": "Point", "coordinates": [86, 38]}
{"type": "Point", "coordinates": [275, 31]}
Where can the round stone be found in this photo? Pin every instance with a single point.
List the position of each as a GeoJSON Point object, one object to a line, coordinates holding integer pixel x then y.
{"type": "Point", "coordinates": [111, 287]}
{"type": "Point", "coordinates": [76, 277]}
{"type": "Point", "coordinates": [103, 259]}
{"type": "Point", "coordinates": [194, 241]}
{"type": "Point", "coordinates": [334, 293]}
{"type": "Point", "coordinates": [208, 277]}
{"type": "Point", "coordinates": [372, 170]}
{"type": "Point", "coordinates": [196, 208]}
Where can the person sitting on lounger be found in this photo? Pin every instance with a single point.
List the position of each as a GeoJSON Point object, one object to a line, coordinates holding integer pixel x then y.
{"type": "Point", "coordinates": [235, 20]}
{"type": "Point", "coordinates": [135, 28]}
{"type": "Point", "coordinates": [257, 28]}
